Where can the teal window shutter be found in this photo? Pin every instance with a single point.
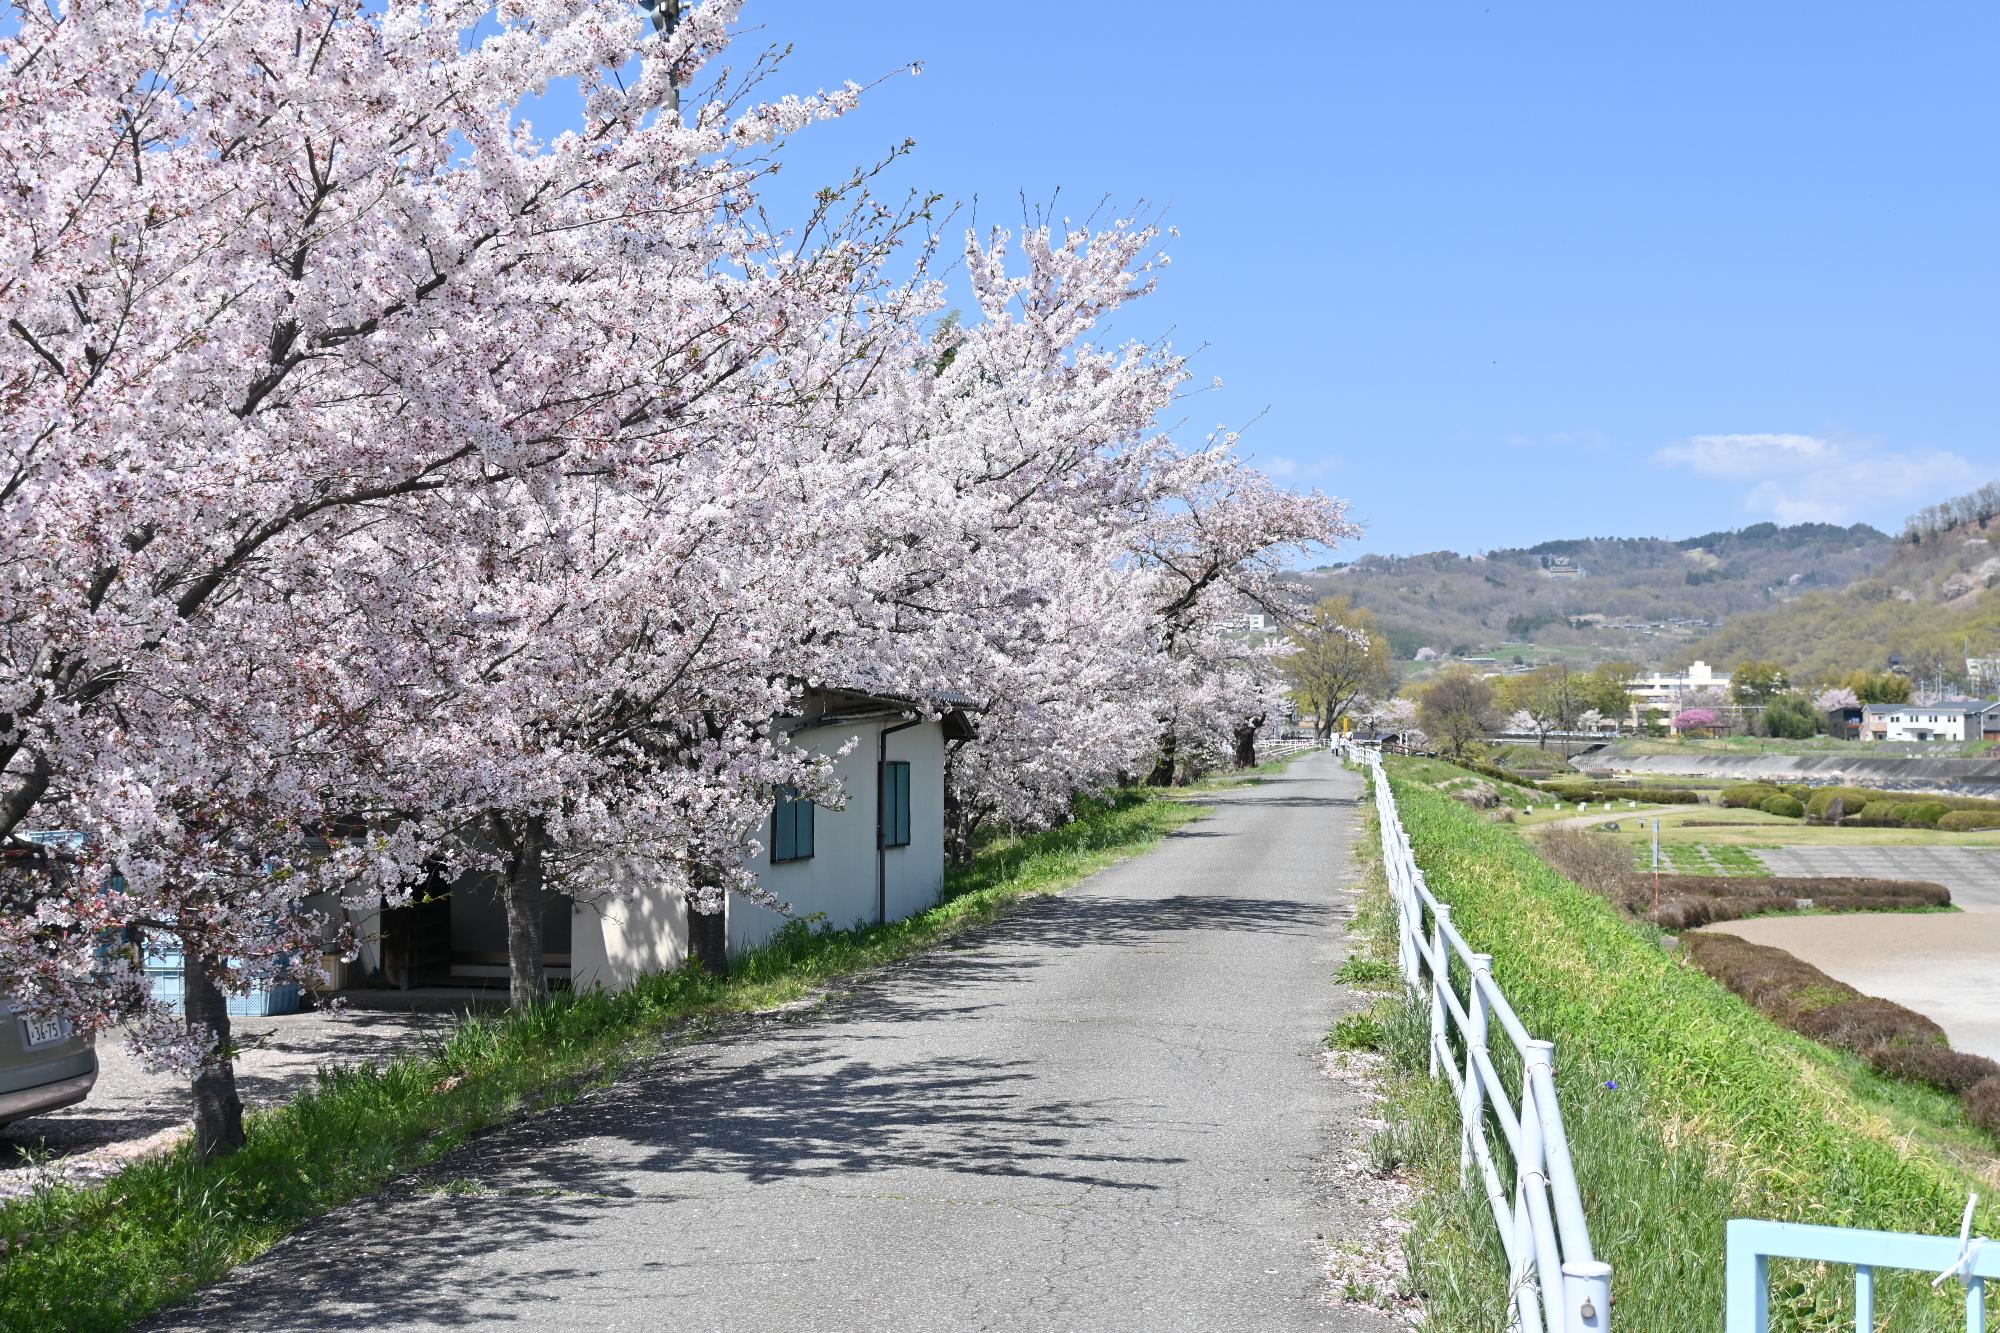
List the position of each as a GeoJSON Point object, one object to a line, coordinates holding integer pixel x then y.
{"type": "Point", "coordinates": [896, 804]}
{"type": "Point", "coordinates": [791, 828]}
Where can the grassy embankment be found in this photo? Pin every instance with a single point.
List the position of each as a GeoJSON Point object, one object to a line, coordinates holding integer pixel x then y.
{"type": "Point", "coordinates": [1685, 1107]}
{"type": "Point", "coordinates": [102, 1258]}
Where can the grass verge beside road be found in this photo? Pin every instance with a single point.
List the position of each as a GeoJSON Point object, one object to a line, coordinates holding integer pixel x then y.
{"type": "Point", "coordinates": [1685, 1107]}
{"type": "Point", "coordinates": [99, 1259]}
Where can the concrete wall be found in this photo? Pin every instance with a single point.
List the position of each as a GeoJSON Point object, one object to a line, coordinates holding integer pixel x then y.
{"type": "Point", "coordinates": [644, 928]}
{"type": "Point", "coordinates": [620, 939]}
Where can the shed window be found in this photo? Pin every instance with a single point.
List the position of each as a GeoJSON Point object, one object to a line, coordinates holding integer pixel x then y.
{"type": "Point", "coordinates": [791, 828]}
{"type": "Point", "coordinates": [895, 803]}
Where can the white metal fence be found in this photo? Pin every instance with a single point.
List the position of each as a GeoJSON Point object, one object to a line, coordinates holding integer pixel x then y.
{"type": "Point", "coordinates": [1556, 1283]}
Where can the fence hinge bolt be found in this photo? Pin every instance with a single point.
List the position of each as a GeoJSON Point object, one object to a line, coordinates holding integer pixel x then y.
{"type": "Point", "coordinates": [1589, 1310]}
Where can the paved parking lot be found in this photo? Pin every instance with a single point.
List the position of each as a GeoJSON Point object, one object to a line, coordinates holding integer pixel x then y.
{"type": "Point", "coordinates": [133, 1112]}
{"type": "Point", "coordinates": [1971, 873]}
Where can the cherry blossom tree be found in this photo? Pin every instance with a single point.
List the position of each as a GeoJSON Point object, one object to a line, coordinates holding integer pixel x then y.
{"type": "Point", "coordinates": [1836, 699]}
{"type": "Point", "coordinates": [396, 493]}
{"type": "Point", "coordinates": [286, 281]}
{"type": "Point", "coordinates": [1697, 719]}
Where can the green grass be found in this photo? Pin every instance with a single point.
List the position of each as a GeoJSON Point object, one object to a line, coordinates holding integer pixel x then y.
{"type": "Point", "coordinates": [1685, 1107]}
{"type": "Point", "coordinates": [102, 1258]}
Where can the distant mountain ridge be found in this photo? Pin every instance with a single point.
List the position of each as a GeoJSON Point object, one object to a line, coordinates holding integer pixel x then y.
{"type": "Point", "coordinates": [1643, 598]}
{"type": "Point", "coordinates": [1933, 604]}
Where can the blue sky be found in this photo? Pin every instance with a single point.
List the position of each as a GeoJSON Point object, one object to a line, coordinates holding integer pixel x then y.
{"type": "Point", "coordinates": [1504, 272]}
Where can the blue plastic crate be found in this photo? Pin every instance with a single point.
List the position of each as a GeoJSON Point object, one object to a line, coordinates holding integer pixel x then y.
{"type": "Point", "coordinates": [166, 978]}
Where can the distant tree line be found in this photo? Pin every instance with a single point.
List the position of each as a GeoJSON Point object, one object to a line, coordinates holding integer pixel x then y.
{"type": "Point", "coordinates": [1933, 521]}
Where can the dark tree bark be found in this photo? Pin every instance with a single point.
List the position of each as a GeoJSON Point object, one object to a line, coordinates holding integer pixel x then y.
{"type": "Point", "coordinates": [525, 892]}
{"type": "Point", "coordinates": [708, 932]}
{"type": "Point", "coordinates": [218, 1110]}
{"type": "Point", "coordinates": [1246, 742]}
{"type": "Point", "coordinates": [1163, 767]}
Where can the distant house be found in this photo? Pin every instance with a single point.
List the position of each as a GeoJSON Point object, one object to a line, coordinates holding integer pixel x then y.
{"type": "Point", "coordinates": [881, 858]}
{"type": "Point", "coordinates": [1955, 720]}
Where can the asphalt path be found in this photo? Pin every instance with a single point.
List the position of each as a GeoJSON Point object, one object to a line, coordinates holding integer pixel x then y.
{"type": "Point", "coordinates": [1104, 1112]}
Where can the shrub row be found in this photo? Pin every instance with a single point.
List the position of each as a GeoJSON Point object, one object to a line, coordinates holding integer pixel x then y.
{"type": "Point", "coordinates": [1855, 802]}
{"type": "Point", "coordinates": [1901, 814]}
{"type": "Point", "coordinates": [1486, 770]}
{"type": "Point", "coordinates": [1688, 901]}
{"type": "Point", "coordinates": [1893, 1041]}
{"type": "Point", "coordinates": [1582, 789]}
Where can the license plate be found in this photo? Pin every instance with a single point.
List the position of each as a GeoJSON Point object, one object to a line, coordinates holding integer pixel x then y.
{"type": "Point", "coordinates": [44, 1031]}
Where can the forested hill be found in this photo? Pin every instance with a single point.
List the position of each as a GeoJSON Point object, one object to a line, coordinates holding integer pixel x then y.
{"type": "Point", "coordinates": [1623, 600]}
{"type": "Point", "coordinates": [1935, 602]}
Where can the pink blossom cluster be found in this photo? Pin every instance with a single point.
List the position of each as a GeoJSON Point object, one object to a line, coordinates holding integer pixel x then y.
{"type": "Point", "coordinates": [391, 489]}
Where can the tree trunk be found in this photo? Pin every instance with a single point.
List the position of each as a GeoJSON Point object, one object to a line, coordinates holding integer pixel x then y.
{"type": "Point", "coordinates": [526, 894]}
{"type": "Point", "coordinates": [708, 932]}
{"type": "Point", "coordinates": [1246, 743]}
{"type": "Point", "coordinates": [218, 1111]}
{"type": "Point", "coordinates": [1163, 768]}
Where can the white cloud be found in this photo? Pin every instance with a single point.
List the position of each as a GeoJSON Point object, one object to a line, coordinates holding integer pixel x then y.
{"type": "Point", "coordinates": [1810, 479]}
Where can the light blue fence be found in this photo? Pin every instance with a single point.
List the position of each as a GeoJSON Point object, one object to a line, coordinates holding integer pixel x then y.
{"type": "Point", "coordinates": [1753, 1245]}
{"type": "Point", "coordinates": [1555, 1283]}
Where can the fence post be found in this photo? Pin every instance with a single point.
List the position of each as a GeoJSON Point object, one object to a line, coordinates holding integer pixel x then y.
{"type": "Point", "coordinates": [1440, 978]}
{"type": "Point", "coordinates": [1749, 1281]}
{"type": "Point", "coordinates": [1541, 1067]}
{"type": "Point", "coordinates": [1587, 1296]}
{"type": "Point", "coordinates": [1472, 1105]}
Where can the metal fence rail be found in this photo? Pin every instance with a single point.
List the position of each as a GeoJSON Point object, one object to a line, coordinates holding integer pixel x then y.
{"type": "Point", "coordinates": [1752, 1246]}
{"type": "Point", "coordinates": [1556, 1283]}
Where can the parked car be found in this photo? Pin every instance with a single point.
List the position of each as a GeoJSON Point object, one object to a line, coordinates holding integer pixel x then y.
{"type": "Point", "coordinates": [44, 1066]}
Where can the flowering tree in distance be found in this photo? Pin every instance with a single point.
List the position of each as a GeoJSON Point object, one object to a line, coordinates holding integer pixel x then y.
{"type": "Point", "coordinates": [1697, 719]}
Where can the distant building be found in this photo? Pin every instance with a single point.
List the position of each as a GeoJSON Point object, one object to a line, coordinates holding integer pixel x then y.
{"type": "Point", "coordinates": [1561, 567]}
{"type": "Point", "coordinates": [1982, 673]}
{"type": "Point", "coordinates": [1669, 691]}
{"type": "Point", "coordinates": [1251, 622]}
{"type": "Point", "coordinates": [1956, 720]}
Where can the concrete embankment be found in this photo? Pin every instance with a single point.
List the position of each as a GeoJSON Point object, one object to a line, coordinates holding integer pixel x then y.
{"type": "Point", "coordinates": [1964, 777]}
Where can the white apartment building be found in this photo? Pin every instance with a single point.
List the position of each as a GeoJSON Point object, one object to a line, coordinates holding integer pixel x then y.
{"type": "Point", "coordinates": [1668, 690]}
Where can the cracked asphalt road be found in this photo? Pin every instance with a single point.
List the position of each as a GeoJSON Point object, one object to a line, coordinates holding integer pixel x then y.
{"type": "Point", "coordinates": [1104, 1112]}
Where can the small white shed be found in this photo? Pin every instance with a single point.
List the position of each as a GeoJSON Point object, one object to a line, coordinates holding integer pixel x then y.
{"type": "Point", "coordinates": [880, 858]}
